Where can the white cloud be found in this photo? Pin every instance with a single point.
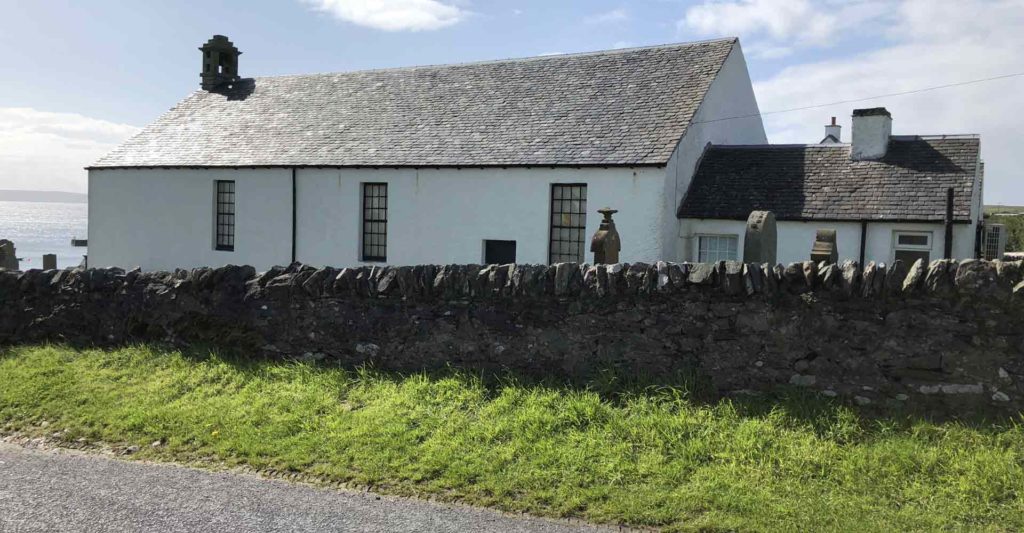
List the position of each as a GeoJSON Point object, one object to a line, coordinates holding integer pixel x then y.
{"type": "Point", "coordinates": [939, 42]}
{"type": "Point", "coordinates": [608, 17]}
{"type": "Point", "coordinates": [797, 22]}
{"type": "Point", "coordinates": [47, 151]}
{"type": "Point", "coordinates": [394, 15]}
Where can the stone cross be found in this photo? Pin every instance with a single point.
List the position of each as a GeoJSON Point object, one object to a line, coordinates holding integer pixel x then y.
{"type": "Point", "coordinates": [759, 243]}
{"type": "Point", "coordinates": [605, 244]}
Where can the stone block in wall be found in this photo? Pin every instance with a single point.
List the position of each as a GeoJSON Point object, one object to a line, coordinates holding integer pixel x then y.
{"type": "Point", "coordinates": [637, 278]}
{"type": "Point", "coordinates": [663, 282]}
{"type": "Point", "coordinates": [771, 278]}
{"type": "Point", "coordinates": [1010, 273]}
{"type": "Point", "coordinates": [387, 282]}
{"type": "Point", "coordinates": [849, 279]}
{"type": "Point", "coordinates": [731, 278]}
{"type": "Point", "coordinates": [345, 282]}
{"type": "Point", "coordinates": [913, 282]}
{"type": "Point", "coordinates": [567, 279]}
{"type": "Point", "coordinates": [424, 279]}
{"type": "Point", "coordinates": [894, 278]}
{"type": "Point", "coordinates": [590, 280]}
{"type": "Point", "coordinates": [753, 278]}
{"type": "Point", "coordinates": [975, 277]}
{"type": "Point", "coordinates": [828, 276]}
{"type": "Point", "coordinates": [314, 284]}
{"type": "Point", "coordinates": [269, 274]}
{"type": "Point", "coordinates": [702, 274]}
{"type": "Point", "coordinates": [939, 280]}
{"type": "Point", "coordinates": [616, 275]}
{"type": "Point", "coordinates": [810, 274]}
{"type": "Point", "coordinates": [677, 274]}
{"type": "Point", "coordinates": [794, 278]}
{"type": "Point", "coordinates": [873, 280]}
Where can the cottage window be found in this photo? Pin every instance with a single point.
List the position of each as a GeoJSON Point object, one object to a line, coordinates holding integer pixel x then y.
{"type": "Point", "coordinates": [715, 248]}
{"type": "Point", "coordinates": [224, 200]}
{"type": "Point", "coordinates": [568, 223]}
{"type": "Point", "coordinates": [375, 221]}
{"type": "Point", "coordinates": [909, 246]}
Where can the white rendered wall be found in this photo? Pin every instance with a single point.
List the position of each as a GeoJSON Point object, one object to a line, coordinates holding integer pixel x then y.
{"type": "Point", "coordinates": [443, 215]}
{"type": "Point", "coordinates": [730, 95]}
{"type": "Point", "coordinates": [161, 219]}
{"type": "Point", "coordinates": [796, 238]}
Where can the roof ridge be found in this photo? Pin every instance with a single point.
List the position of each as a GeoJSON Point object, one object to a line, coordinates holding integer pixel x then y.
{"type": "Point", "coordinates": [936, 137]}
{"type": "Point", "coordinates": [525, 59]}
{"type": "Point", "coordinates": [767, 146]}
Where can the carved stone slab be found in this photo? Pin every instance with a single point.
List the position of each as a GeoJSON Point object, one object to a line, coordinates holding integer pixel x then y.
{"type": "Point", "coordinates": [760, 243]}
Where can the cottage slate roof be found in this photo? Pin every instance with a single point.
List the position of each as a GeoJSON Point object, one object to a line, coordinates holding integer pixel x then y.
{"type": "Point", "coordinates": [820, 182]}
{"type": "Point", "coordinates": [621, 107]}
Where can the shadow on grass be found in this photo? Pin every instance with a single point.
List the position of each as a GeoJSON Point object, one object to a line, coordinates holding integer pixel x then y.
{"type": "Point", "coordinates": [799, 405]}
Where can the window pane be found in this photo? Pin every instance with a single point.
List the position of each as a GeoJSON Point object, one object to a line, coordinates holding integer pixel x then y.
{"type": "Point", "coordinates": [568, 223]}
{"type": "Point", "coordinates": [224, 216]}
{"type": "Point", "coordinates": [913, 240]}
{"type": "Point", "coordinates": [375, 221]}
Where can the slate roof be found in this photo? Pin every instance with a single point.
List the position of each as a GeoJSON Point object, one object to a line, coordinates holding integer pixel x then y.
{"type": "Point", "coordinates": [820, 182]}
{"type": "Point", "coordinates": [621, 107]}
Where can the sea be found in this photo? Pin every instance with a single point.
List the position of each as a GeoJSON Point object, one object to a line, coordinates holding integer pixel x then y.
{"type": "Point", "coordinates": [38, 228]}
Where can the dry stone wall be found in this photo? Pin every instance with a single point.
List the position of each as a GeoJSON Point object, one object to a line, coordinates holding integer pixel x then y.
{"type": "Point", "coordinates": [946, 336]}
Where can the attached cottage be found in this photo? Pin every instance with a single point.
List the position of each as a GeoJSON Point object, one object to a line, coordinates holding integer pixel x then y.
{"type": "Point", "coordinates": [496, 162]}
{"type": "Point", "coordinates": [885, 196]}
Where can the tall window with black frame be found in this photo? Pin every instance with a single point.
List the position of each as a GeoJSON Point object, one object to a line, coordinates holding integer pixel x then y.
{"type": "Point", "coordinates": [375, 221]}
{"type": "Point", "coordinates": [224, 198]}
{"type": "Point", "coordinates": [568, 223]}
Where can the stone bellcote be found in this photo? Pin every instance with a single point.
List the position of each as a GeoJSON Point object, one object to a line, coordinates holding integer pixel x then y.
{"type": "Point", "coordinates": [220, 63]}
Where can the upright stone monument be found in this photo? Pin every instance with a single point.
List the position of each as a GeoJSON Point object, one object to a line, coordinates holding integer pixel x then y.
{"type": "Point", "coordinates": [605, 243]}
{"type": "Point", "coordinates": [8, 259]}
{"type": "Point", "coordinates": [49, 261]}
{"type": "Point", "coordinates": [825, 248]}
{"type": "Point", "coordinates": [759, 243]}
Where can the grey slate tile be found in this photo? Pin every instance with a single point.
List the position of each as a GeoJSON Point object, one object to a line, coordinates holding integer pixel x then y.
{"type": "Point", "coordinates": [625, 107]}
{"type": "Point", "coordinates": [818, 182]}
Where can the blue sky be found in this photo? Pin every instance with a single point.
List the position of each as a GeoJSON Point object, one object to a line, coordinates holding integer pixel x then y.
{"type": "Point", "coordinates": [77, 78]}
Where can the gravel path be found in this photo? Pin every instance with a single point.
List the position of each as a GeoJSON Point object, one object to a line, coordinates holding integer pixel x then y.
{"type": "Point", "coordinates": [57, 490]}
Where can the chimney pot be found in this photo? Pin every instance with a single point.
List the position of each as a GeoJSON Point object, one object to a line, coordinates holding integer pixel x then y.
{"type": "Point", "coordinates": [833, 133]}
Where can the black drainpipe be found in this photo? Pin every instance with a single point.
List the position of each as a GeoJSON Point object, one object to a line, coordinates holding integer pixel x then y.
{"type": "Point", "coordinates": [293, 215]}
{"type": "Point", "coordinates": [863, 240]}
{"type": "Point", "coordinates": [949, 224]}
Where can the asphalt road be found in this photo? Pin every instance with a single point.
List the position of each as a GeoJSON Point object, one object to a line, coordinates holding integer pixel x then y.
{"type": "Point", "coordinates": [56, 490]}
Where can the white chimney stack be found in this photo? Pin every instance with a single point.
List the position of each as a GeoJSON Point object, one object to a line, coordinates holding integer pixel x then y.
{"type": "Point", "coordinates": [871, 131]}
{"type": "Point", "coordinates": [832, 133]}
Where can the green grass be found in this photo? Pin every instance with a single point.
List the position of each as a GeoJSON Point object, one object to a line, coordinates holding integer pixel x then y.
{"type": "Point", "coordinates": [646, 457]}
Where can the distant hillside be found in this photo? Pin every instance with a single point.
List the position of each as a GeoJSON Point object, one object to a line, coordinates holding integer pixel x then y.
{"type": "Point", "coordinates": [1003, 209]}
{"type": "Point", "coordinates": [8, 195]}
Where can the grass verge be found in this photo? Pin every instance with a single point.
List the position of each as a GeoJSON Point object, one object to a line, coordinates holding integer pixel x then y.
{"type": "Point", "coordinates": [651, 457]}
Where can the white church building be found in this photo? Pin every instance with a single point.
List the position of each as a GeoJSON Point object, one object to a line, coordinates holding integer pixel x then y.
{"type": "Point", "coordinates": [508, 161]}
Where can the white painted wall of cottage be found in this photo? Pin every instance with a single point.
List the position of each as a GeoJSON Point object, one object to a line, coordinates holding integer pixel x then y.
{"type": "Point", "coordinates": [730, 95]}
{"type": "Point", "coordinates": [796, 238]}
{"type": "Point", "coordinates": [163, 218]}
{"type": "Point", "coordinates": [444, 215]}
